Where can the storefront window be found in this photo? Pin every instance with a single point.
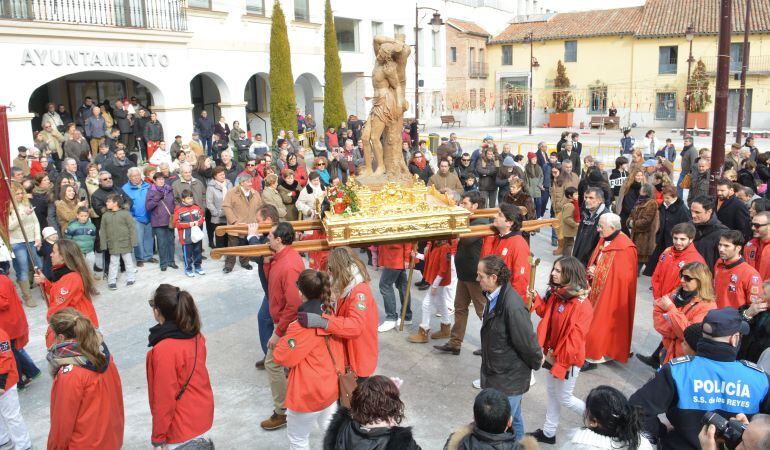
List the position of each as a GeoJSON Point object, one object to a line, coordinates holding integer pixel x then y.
{"type": "Point", "coordinates": [203, 4]}
{"type": "Point", "coordinates": [256, 7]}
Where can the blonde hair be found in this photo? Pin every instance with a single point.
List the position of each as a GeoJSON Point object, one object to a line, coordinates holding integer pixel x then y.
{"type": "Point", "coordinates": [75, 326]}
{"type": "Point", "coordinates": [271, 179]}
{"type": "Point", "coordinates": [702, 274]}
{"type": "Point", "coordinates": [340, 262]}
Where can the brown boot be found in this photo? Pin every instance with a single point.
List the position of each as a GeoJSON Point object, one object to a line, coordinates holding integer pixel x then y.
{"type": "Point", "coordinates": [419, 337]}
{"type": "Point", "coordinates": [559, 248]}
{"type": "Point", "coordinates": [444, 333]}
{"type": "Point", "coordinates": [26, 294]}
{"type": "Point", "coordinates": [275, 422]}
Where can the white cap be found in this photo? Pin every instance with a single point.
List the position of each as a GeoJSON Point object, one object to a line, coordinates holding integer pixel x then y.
{"type": "Point", "coordinates": [49, 231]}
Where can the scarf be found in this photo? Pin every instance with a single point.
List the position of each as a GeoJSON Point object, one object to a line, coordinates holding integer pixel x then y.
{"type": "Point", "coordinates": [576, 211]}
{"type": "Point", "coordinates": [68, 352]}
{"type": "Point", "coordinates": [59, 272]}
{"type": "Point", "coordinates": [357, 278]}
{"type": "Point", "coordinates": [222, 185]}
{"type": "Point", "coordinates": [567, 293]}
{"type": "Point", "coordinates": [166, 330]}
{"type": "Point", "coordinates": [682, 298]}
{"type": "Point", "coordinates": [420, 164]}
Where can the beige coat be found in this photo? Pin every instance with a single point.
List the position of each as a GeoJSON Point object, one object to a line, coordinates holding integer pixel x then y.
{"type": "Point", "coordinates": [448, 181]}
{"type": "Point", "coordinates": [53, 140]}
{"type": "Point", "coordinates": [557, 192]}
{"type": "Point", "coordinates": [28, 221]}
{"type": "Point", "coordinates": [270, 196]}
{"type": "Point", "coordinates": [567, 221]}
{"type": "Point", "coordinates": [643, 223]}
{"type": "Point", "coordinates": [66, 212]}
{"type": "Point", "coordinates": [240, 209]}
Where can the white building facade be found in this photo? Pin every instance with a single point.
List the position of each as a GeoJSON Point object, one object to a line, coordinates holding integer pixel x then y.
{"type": "Point", "coordinates": [179, 57]}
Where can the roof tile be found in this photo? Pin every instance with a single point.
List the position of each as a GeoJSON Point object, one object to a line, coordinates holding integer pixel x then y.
{"type": "Point", "coordinates": [468, 27]}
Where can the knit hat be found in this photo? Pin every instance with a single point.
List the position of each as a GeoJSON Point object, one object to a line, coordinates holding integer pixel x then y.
{"type": "Point", "coordinates": [48, 232]}
{"type": "Point", "coordinates": [650, 163]}
{"type": "Point", "coordinates": [595, 176]}
{"type": "Point", "coordinates": [508, 161]}
{"type": "Point", "coordinates": [692, 335]}
{"type": "Point", "coordinates": [531, 155]}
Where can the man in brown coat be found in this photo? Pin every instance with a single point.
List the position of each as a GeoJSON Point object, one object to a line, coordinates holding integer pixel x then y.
{"type": "Point", "coordinates": [240, 206]}
{"type": "Point", "coordinates": [445, 180]}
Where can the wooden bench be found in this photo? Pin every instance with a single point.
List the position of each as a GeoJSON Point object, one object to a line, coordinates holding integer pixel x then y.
{"type": "Point", "coordinates": [608, 121]}
{"type": "Point", "coordinates": [449, 120]}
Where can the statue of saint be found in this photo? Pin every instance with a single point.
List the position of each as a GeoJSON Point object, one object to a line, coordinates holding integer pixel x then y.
{"type": "Point", "coordinates": [387, 113]}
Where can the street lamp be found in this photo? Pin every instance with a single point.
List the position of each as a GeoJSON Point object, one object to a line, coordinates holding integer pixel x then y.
{"type": "Point", "coordinates": [532, 64]}
{"type": "Point", "coordinates": [689, 34]}
{"type": "Point", "coordinates": [435, 23]}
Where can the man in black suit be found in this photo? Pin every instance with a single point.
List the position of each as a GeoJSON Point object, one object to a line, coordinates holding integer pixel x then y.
{"type": "Point", "coordinates": [570, 154]}
{"type": "Point", "coordinates": [577, 146]}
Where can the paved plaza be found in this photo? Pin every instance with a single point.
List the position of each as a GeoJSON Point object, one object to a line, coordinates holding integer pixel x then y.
{"type": "Point", "coordinates": [437, 388]}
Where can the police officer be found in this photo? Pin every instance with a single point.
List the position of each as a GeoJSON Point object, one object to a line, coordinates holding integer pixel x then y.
{"type": "Point", "coordinates": [712, 380]}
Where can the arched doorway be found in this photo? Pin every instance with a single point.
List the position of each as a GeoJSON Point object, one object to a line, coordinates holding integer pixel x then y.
{"type": "Point", "coordinates": [206, 92]}
{"type": "Point", "coordinates": [256, 94]}
{"type": "Point", "coordinates": [308, 93]}
{"type": "Point", "coordinates": [101, 86]}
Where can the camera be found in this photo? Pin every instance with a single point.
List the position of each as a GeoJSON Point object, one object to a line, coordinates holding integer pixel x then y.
{"type": "Point", "coordinates": [731, 431]}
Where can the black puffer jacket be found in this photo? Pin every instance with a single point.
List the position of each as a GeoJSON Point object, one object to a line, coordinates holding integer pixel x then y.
{"type": "Point", "coordinates": [735, 215]}
{"type": "Point", "coordinates": [587, 235]}
{"type": "Point", "coordinates": [707, 238]}
{"type": "Point", "coordinates": [758, 340]}
{"type": "Point", "coordinates": [471, 438]}
{"type": "Point", "coordinates": [344, 433]}
{"type": "Point", "coordinates": [509, 348]}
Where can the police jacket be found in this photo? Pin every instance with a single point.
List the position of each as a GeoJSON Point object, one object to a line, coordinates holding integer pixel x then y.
{"type": "Point", "coordinates": [509, 347]}
{"type": "Point", "coordinates": [688, 387]}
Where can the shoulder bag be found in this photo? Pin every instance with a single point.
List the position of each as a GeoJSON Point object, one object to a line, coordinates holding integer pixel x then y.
{"type": "Point", "coordinates": [347, 381]}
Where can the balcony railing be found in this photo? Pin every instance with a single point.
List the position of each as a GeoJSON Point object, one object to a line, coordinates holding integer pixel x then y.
{"type": "Point", "coordinates": [168, 15]}
{"type": "Point", "coordinates": [478, 70]}
{"type": "Point", "coordinates": [758, 65]}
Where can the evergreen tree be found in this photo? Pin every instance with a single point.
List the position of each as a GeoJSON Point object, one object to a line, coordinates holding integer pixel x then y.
{"type": "Point", "coordinates": [562, 98]}
{"type": "Point", "coordinates": [699, 88]}
{"type": "Point", "coordinates": [283, 112]}
{"type": "Point", "coordinates": [334, 103]}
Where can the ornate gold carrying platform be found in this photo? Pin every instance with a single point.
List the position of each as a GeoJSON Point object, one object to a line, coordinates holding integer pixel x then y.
{"type": "Point", "coordinates": [395, 213]}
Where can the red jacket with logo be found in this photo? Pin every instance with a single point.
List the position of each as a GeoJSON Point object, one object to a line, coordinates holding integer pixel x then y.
{"type": "Point", "coordinates": [356, 323]}
{"type": "Point", "coordinates": [9, 375]}
{"type": "Point", "coordinates": [86, 409]}
{"type": "Point", "coordinates": [665, 278]}
{"type": "Point", "coordinates": [757, 254]}
{"type": "Point", "coordinates": [672, 322]}
{"type": "Point", "coordinates": [304, 352]}
{"type": "Point", "coordinates": [67, 293]}
{"type": "Point", "coordinates": [515, 252]}
{"type": "Point", "coordinates": [736, 284]}
{"type": "Point", "coordinates": [394, 256]}
{"type": "Point", "coordinates": [13, 319]}
{"type": "Point", "coordinates": [438, 262]}
{"type": "Point", "coordinates": [169, 364]}
{"type": "Point", "coordinates": [282, 274]}
{"type": "Point", "coordinates": [563, 329]}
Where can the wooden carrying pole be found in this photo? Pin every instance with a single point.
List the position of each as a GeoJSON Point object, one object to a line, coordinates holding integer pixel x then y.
{"type": "Point", "coordinates": [323, 244]}
{"type": "Point", "coordinates": [408, 292]}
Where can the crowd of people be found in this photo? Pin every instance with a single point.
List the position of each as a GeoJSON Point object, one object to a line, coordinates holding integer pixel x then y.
{"type": "Point", "coordinates": [91, 200]}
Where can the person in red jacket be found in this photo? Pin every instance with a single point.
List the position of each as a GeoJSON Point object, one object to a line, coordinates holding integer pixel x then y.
{"type": "Point", "coordinates": [566, 316]}
{"type": "Point", "coordinates": [87, 395]}
{"type": "Point", "coordinates": [394, 260]}
{"type": "Point", "coordinates": [178, 384]}
{"type": "Point", "coordinates": [757, 250]}
{"type": "Point", "coordinates": [689, 304]}
{"type": "Point", "coordinates": [511, 246]}
{"type": "Point", "coordinates": [283, 297]}
{"type": "Point", "coordinates": [355, 320]}
{"type": "Point", "coordinates": [313, 358]}
{"type": "Point", "coordinates": [736, 283]}
{"type": "Point", "coordinates": [13, 320]}
{"type": "Point", "coordinates": [72, 285]}
{"type": "Point", "coordinates": [665, 278]}
{"type": "Point", "coordinates": [13, 429]}
{"type": "Point", "coordinates": [438, 273]}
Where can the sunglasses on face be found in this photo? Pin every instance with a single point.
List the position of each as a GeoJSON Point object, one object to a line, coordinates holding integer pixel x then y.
{"type": "Point", "coordinates": [107, 179]}
{"type": "Point", "coordinates": [758, 225]}
{"type": "Point", "coordinates": [321, 164]}
{"type": "Point", "coordinates": [686, 278]}
{"type": "Point", "coordinates": [251, 165]}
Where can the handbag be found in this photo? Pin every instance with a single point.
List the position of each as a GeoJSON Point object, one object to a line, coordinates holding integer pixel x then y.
{"type": "Point", "coordinates": [196, 234]}
{"type": "Point", "coordinates": [686, 182]}
{"type": "Point", "coordinates": [347, 381]}
{"type": "Point", "coordinates": [170, 215]}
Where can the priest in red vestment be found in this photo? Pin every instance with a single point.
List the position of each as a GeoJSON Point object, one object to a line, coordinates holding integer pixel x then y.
{"type": "Point", "coordinates": [612, 270]}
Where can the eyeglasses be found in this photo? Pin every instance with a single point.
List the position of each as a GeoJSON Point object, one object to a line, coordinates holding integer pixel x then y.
{"type": "Point", "coordinates": [321, 164]}
{"type": "Point", "coordinates": [106, 179]}
{"type": "Point", "coordinates": [758, 225]}
{"type": "Point", "coordinates": [686, 278]}
{"type": "Point", "coordinates": [251, 165]}
{"type": "Point", "coordinates": [151, 302]}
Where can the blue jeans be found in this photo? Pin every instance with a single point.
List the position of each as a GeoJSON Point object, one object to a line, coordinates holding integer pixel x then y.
{"type": "Point", "coordinates": [165, 237]}
{"type": "Point", "coordinates": [544, 196]}
{"type": "Point", "coordinates": [206, 141]}
{"type": "Point", "coordinates": [21, 263]}
{"type": "Point", "coordinates": [388, 279]}
{"type": "Point", "coordinates": [264, 324]}
{"type": "Point", "coordinates": [143, 250]}
{"type": "Point", "coordinates": [680, 191]}
{"type": "Point", "coordinates": [192, 254]}
{"type": "Point", "coordinates": [518, 420]}
{"type": "Point", "coordinates": [24, 363]}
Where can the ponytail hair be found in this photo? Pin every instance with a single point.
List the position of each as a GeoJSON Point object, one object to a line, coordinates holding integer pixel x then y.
{"type": "Point", "coordinates": [77, 327]}
{"type": "Point", "coordinates": [316, 285]}
{"type": "Point", "coordinates": [177, 306]}
{"type": "Point", "coordinates": [616, 417]}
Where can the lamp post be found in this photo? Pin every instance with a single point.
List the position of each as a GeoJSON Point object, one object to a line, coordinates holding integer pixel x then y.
{"type": "Point", "coordinates": [532, 64]}
{"type": "Point", "coordinates": [435, 23]}
{"type": "Point", "coordinates": [744, 68]}
{"type": "Point", "coordinates": [689, 34]}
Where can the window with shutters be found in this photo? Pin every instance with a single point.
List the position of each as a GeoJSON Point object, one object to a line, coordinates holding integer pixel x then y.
{"type": "Point", "coordinates": [667, 59]}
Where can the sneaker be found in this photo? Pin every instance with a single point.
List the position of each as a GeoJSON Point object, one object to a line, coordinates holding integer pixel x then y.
{"type": "Point", "coordinates": [275, 422]}
{"type": "Point", "coordinates": [130, 282]}
{"type": "Point", "coordinates": [541, 437]}
{"type": "Point", "coordinates": [247, 266]}
{"type": "Point", "coordinates": [200, 271]}
{"type": "Point", "coordinates": [113, 286]}
{"type": "Point", "coordinates": [189, 273]}
{"type": "Point", "coordinates": [476, 384]}
{"type": "Point", "coordinates": [387, 326]}
{"type": "Point", "coordinates": [406, 322]}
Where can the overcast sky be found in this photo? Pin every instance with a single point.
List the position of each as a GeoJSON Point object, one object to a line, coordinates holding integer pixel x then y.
{"type": "Point", "coordinates": [576, 5]}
